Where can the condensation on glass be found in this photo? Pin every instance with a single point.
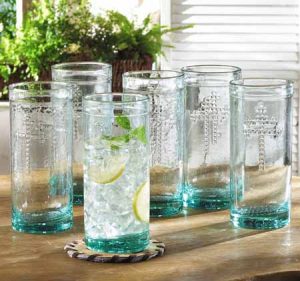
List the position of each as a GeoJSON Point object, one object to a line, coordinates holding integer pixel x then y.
{"type": "Point", "coordinates": [116, 172]}
{"type": "Point", "coordinates": [261, 128]}
{"type": "Point", "coordinates": [166, 93]}
{"type": "Point", "coordinates": [41, 156]}
{"type": "Point", "coordinates": [88, 78]}
{"type": "Point", "coordinates": [206, 150]}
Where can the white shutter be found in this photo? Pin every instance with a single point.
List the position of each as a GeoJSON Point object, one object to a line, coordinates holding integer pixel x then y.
{"type": "Point", "coordinates": [260, 36]}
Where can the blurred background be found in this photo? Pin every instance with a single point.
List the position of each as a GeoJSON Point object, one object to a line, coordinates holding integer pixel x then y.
{"type": "Point", "coordinates": [260, 36]}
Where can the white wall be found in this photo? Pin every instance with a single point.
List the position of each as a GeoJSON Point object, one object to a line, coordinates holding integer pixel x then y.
{"type": "Point", "coordinates": [137, 9]}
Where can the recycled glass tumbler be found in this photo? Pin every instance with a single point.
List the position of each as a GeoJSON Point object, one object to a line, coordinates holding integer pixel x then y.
{"type": "Point", "coordinates": [166, 92]}
{"type": "Point", "coordinates": [88, 78]}
{"type": "Point", "coordinates": [116, 172]}
{"type": "Point", "coordinates": [41, 156]}
{"type": "Point", "coordinates": [207, 151]}
{"type": "Point", "coordinates": [261, 126]}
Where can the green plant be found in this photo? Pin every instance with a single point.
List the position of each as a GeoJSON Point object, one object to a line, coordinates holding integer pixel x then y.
{"type": "Point", "coordinates": [48, 36]}
{"type": "Point", "coordinates": [125, 39]}
{"type": "Point", "coordinates": [68, 31]}
{"type": "Point", "coordinates": [7, 17]}
{"type": "Point", "coordinates": [7, 30]}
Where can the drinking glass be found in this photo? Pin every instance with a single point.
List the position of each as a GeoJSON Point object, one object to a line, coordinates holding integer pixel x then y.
{"type": "Point", "coordinates": [206, 156]}
{"type": "Point", "coordinates": [166, 92]}
{"type": "Point", "coordinates": [41, 156]}
{"type": "Point", "coordinates": [88, 78]}
{"type": "Point", "coordinates": [116, 172]}
{"type": "Point", "coordinates": [261, 128]}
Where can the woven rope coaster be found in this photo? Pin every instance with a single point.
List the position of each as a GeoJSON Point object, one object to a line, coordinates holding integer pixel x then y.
{"type": "Point", "coordinates": [78, 250]}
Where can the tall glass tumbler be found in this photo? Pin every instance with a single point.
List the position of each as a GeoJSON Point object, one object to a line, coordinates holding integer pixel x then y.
{"type": "Point", "coordinates": [261, 128]}
{"type": "Point", "coordinates": [116, 172]}
{"type": "Point", "coordinates": [166, 92]}
{"type": "Point", "coordinates": [206, 156]}
{"type": "Point", "coordinates": [88, 78]}
{"type": "Point", "coordinates": [41, 156]}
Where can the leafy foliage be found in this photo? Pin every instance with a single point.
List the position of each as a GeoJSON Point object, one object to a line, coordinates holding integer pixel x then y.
{"type": "Point", "coordinates": [68, 31]}
{"type": "Point", "coordinates": [7, 30]}
{"type": "Point", "coordinates": [7, 17]}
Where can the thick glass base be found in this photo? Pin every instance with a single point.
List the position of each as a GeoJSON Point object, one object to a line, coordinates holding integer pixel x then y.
{"type": "Point", "coordinates": [78, 193]}
{"type": "Point", "coordinates": [269, 216]}
{"type": "Point", "coordinates": [161, 206]}
{"type": "Point", "coordinates": [208, 204]}
{"type": "Point", "coordinates": [45, 222]}
{"type": "Point", "coordinates": [132, 243]}
{"type": "Point", "coordinates": [216, 198]}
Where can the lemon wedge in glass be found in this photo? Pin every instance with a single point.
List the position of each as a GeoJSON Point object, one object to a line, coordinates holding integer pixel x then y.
{"type": "Point", "coordinates": [141, 202]}
{"type": "Point", "coordinates": [108, 173]}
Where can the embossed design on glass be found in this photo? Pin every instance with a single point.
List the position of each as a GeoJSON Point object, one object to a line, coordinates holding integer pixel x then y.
{"type": "Point", "coordinates": [41, 155]}
{"type": "Point", "coordinates": [116, 172]}
{"type": "Point", "coordinates": [166, 92]}
{"type": "Point", "coordinates": [261, 125]}
{"type": "Point", "coordinates": [212, 115]}
{"type": "Point", "coordinates": [87, 78]}
{"type": "Point", "coordinates": [206, 149]}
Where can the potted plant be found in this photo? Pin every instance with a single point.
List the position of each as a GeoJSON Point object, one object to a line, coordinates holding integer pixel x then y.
{"type": "Point", "coordinates": [70, 32]}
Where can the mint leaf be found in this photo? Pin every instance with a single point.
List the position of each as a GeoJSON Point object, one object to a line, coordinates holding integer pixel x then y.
{"type": "Point", "coordinates": [116, 142]}
{"type": "Point", "coordinates": [114, 147]}
{"type": "Point", "coordinates": [140, 134]}
{"type": "Point", "coordinates": [123, 122]}
{"type": "Point", "coordinates": [123, 138]}
{"type": "Point", "coordinates": [117, 139]}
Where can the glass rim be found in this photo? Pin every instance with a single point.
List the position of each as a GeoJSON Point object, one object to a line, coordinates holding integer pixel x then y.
{"type": "Point", "coordinates": [141, 98]}
{"type": "Point", "coordinates": [21, 87]}
{"type": "Point", "coordinates": [231, 69]}
{"type": "Point", "coordinates": [63, 67]}
{"type": "Point", "coordinates": [130, 74]}
{"type": "Point", "coordinates": [261, 82]}
{"type": "Point", "coordinates": [104, 78]}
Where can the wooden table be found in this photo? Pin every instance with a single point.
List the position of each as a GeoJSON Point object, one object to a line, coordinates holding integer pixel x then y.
{"type": "Point", "coordinates": [201, 246]}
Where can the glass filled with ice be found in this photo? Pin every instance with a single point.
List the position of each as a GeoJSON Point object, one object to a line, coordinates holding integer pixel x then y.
{"type": "Point", "coordinates": [116, 172]}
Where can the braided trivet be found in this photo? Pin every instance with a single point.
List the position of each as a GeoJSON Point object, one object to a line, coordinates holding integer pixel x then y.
{"type": "Point", "coordinates": [78, 250]}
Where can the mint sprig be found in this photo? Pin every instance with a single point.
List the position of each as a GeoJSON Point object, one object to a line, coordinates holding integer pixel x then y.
{"type": "Point", "coordinates": [123, 122]}
{"type": "Point", "coordinates": [116, 142]}
{"type": "Point", "coordinates": [138, 133]}
{"type": "Point", "coordinates": [122, 138]}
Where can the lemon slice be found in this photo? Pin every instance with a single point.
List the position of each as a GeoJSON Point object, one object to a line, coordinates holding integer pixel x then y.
{"type": "Point", "coordinates": [108, 173]}
{"type": "Point", "coordinates": [141, 202]}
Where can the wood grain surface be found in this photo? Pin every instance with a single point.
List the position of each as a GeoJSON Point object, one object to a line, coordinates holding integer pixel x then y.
{"type": "Point", "coordinates": [199, 246]}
